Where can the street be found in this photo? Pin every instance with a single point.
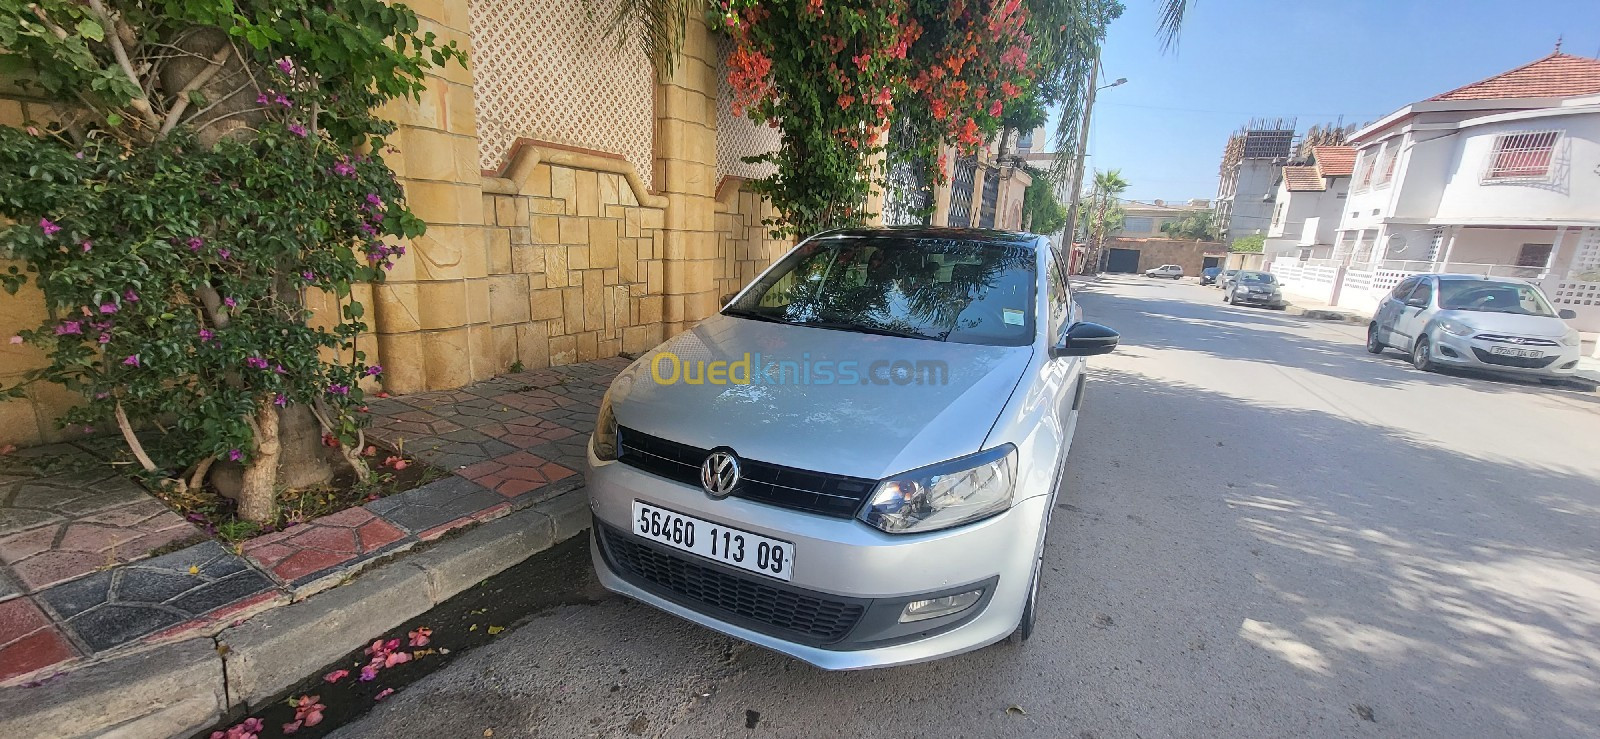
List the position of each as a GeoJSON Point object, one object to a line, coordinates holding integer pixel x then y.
{"type": "Point", "coordinates": [1266, 531]}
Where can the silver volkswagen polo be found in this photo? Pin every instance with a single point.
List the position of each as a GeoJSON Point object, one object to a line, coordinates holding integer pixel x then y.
{"type": "Point", "coordinates": [854, 463]}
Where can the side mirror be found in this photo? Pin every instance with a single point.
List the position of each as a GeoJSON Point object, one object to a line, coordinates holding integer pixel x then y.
{"type": "Point", "coordinates": [1567, 314]}
{"type": "Point", "coordinates": [1417, 302]}
{"type": "Point", "coordinates": [1086, 340]}
{"type": "Point", "coordinates": [726, 299]}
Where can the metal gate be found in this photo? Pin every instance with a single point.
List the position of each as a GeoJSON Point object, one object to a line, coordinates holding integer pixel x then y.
{"type": "Point", "coordinates": [907, 196]}
{"type": "Point", "coordinates": [961, 192]}
{"type": "Point", "coordinates": [991, 193]}
{"type": "Point", "coordinates": [1122, 260]}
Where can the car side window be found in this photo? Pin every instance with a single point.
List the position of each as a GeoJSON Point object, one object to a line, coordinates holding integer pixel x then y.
{"type": "Point", "coordinates": [1423, 292]}
{"type": "Point", "coordinates": [1060, 295]}
{"type": "Point", "coordinates": [1404, 288]}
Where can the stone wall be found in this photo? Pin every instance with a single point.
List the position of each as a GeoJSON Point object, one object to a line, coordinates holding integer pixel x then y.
{"type": "Point", "coordinates": [1155, 252]}
{"type": "Point", "coordinates": [563, 255]}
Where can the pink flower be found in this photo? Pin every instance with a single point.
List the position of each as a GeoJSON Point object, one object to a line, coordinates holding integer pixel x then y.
{"type": "Point", "coordinates": [206, 335]}
{"type": "Point", "coordinates": [297, 130]}
{"type": "Point", "coordinates": [284, 101]}
{"type": "Point", "coordinates": [385, 693]}
{"type": "Point", "coordinates": [343, 169]}
{"type": "Point", "coordinates": [105, 338]}
{"type": "Point", "coordinates": [339, 389]}
{"type": "Point", "coordinates": [224, 253]}
{"type": "Point", "coordinates": [195, 242]}
{"type": "Point", "coordinates": [420, 637]}
{"type": "Point", "coordinates": [278, 369]}
{"type": "Point", "coordinates": [374, 370]}
{"type": "Point", "coordinates": [48, 227]}
{"type": "Point", "coordinates": [368, 674]}
{"type": "Point", "coordinates": [309, 710]}
{"type": "Point", "coordinates": [280, 400]}
{"type": "Point", "coordinates": [130, 296]}
{"type": "Point", "coordinates": [108, 308]}
{"type": "Point", "coordinates": [230, 302]}
{"type": "Point", "coordinates": [262, 99]}
{"type": "Point", "coordinates": [255, 363]}
{"type": "Point", "coordinates": [291, 727]}
{"type": "Point", "coordinates": [396, 658]}
{"type": "Point", "coordinates": [309, 276]}
{"type": "Point", "coordinates": [336, 676]}
{"type": "Point", "coordinates": [234, 455]}
{"type": "Point", "coordinates": [286, 65]}
{"type": "Point", "coordinates": [132, 360]}
{"type": "Point", "coordinates": [373, 198]}
{"type": "Point", "coordinates": [87, 245]}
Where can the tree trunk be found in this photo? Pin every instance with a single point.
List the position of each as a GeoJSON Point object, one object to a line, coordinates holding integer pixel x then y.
{"type": "Point", "coordinates": [258, 499]}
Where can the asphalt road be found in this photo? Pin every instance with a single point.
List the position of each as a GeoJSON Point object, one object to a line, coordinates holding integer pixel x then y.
{"type": "Point", "coordinates": [1268, 532]}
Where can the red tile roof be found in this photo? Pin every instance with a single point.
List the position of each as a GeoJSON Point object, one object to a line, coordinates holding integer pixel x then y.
{"type": "Point", "coordinates": [1555, 76]}
{"type": "Point", "coordinates": [1335, 161]}
{"type": "Point", "coordinates": [1302, 179]}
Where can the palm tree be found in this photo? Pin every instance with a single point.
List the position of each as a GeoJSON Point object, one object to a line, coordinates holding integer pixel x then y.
{"type": "Point", "coordinates": [1103, 216]}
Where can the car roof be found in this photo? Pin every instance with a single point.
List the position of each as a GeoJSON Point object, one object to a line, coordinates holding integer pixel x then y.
{"type": "Point", "coordinates": [988, 235]}
{"type": "Point", "coordinates": [1481, 278]}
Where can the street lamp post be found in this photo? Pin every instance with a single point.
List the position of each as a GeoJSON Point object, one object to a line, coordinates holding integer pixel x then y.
{"type": "Point", "coordinates": [1082, 152]}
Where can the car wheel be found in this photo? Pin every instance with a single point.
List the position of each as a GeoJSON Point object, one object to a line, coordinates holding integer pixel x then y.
{"type": "Point", "coordinates": [1422, 355]}
{"type": "Point", "coordinates": [1373, 344]}
{"type": "Point", "coordinates": [1030, 611]}
{"type": "Point", "coordinates": [1226, 298]}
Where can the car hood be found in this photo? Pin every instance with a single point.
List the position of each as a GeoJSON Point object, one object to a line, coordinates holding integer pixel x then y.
{"type": "Point", "coordinates": [1508, 323]}
{"type": "Point", "coordinates": [862, 430]}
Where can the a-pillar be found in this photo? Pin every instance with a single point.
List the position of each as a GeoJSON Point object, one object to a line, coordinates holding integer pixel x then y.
{"type": "Point", "coordinates": [432, 313]}
{"type": "Point", "coordinates": [686, 172]}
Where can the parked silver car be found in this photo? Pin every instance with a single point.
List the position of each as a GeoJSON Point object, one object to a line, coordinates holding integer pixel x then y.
{"type": "Point", "coordinates": [1485, 323]}
{"type": "Point", "coordinates": [855, 462]}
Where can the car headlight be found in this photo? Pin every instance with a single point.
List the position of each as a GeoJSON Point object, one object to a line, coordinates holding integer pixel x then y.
{"type": "Point", "coordinates": [1572, 338]}
{"type": "Point", "coordinates": [605, 431]}
{"type": "Point", "coordinates": [1456, 327]}
{"type": "Point", "coordinates": [944, 495]}
{"type": "Point", "coordinates": [1241, 289]}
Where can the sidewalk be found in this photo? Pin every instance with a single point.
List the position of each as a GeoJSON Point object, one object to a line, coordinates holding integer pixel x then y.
{"type": "Point", "coordinates": [91, 564]}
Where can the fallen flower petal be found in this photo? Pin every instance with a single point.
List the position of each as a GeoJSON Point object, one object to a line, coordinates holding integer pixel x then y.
{"type": "Point", "coordinates": [419, 638]}
{"type": "Point", "coordinates": [385, 693]}
{"type": "Point", "coordinates": [368, 674]}
{"type": "Point", "coordinates": [291, 727]}
{"type": "Point", "coordinates": [396, 658]}
{"type": "Point", "coordinates": [335, 676]}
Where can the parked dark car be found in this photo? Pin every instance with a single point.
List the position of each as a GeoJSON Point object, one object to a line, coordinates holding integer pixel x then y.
{"type": "Point", "coordinates": [1209, 275]}
{"type": "Point", "coordinates": [1254, 288]}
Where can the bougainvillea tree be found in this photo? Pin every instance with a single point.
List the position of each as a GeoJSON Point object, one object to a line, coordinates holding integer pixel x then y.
{"type": "Point", "coordinates": [210, 165]}
{"type": "Point", "coordinates": [832, 75]}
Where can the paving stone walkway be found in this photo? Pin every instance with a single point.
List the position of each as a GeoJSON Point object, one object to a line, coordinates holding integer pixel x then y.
{"type": "Point", "coordinates": [77, 575]}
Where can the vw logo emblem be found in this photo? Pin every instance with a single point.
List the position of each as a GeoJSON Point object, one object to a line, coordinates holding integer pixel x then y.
{"type": "Point", "coordinates": [719, 474]}
{"type": "Point", "coordinates": [1518, 340]}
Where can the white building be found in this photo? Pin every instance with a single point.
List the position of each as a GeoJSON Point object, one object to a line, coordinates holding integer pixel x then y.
{"type": "Point", "coordinates": [1310, 203]}
{"type": "Point", "coordinates": [1500, 177]}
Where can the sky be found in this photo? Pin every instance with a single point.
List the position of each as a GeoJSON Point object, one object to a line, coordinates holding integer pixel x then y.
{"type": "Point", "coordinates": [1313, 61]}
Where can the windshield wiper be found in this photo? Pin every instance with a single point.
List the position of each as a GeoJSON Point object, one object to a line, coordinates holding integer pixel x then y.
{"type": "Point", "coordinates": [752, 315]}
{"type": "Point", "coordinates": [863, 329]}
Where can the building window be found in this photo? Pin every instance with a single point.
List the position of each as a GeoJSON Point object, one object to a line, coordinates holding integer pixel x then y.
{"type": "Point", "coordinates": [1521, 156]}
{"type": "Point", "coordinates": [1138, 225]}
{"type": "Point", "coordinates": [1277, 214]}
{"type": "Point", "coordinates": [1534, 255]}
{"type": "Point", "coordinates": [1363, 173]}
{"type": "Point", "coordinates": [1383, 171]}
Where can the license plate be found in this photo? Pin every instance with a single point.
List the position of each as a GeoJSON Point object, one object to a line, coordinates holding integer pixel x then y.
{"type": "Point", "coordinates": [715, 541]}
{"type": "Point", "coordinates": [1506, 351]}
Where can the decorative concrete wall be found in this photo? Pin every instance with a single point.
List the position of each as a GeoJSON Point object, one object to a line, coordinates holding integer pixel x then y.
{"type": "Point", "coordinates": [566, 251]}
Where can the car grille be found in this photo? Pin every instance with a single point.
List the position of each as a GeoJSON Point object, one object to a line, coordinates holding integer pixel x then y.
{"type": "Point", "coordinates": [790, 613]}
{"type": "Point", "coordinates": [1504, 361]}
{"type": "Point", "coordinates": [786, 487]}
{"type": "Point", "coordinates": [1521, 340]}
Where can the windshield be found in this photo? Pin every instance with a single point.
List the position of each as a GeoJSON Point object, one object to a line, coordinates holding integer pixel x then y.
{"type": "Point", "coordinates": [1486, 296]}
{"type": "Point", "coordinates": [1257, 278]}
{"type": "Point", "coordinates": [942, 289]}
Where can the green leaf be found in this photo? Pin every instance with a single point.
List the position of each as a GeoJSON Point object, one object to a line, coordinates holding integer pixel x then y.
{"type": "Point", "coordinates": [113, 120]}
{"type": "Point", "coordinates": [89, 28]}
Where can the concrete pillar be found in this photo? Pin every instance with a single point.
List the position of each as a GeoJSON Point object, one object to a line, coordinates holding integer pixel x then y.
{"type": "Point", "coordinates": [686, 172]}
{"type": "Point", "coordinates": [431, 314]}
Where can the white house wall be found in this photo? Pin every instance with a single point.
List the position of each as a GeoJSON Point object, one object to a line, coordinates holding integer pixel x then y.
{"type": "Point", "coordinates": [1572, 192]}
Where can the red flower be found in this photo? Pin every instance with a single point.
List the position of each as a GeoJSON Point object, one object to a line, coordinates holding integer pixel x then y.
{"type": "Point", "coordinates": [994, 108]}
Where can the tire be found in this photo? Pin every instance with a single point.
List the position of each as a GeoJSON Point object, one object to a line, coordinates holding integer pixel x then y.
{"type": "Point", "coordinates": [1422, 355]}
{"type": "Point", "coordinates": [1226, 298]}
{"type": "Point", "coordinates": [1030, 611]}
{"type": "Point", "coordinates": [1374, 346]}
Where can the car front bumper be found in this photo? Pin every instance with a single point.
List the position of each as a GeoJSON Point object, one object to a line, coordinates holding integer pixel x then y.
{"type": "Point", "coordinates": [842, 564]}
{"type": "Point", "coordinates": [1270, 301]}
{"type": "Point", "coordinates": [1472, 353]}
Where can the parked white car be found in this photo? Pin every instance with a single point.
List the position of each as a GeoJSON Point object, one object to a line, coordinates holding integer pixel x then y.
{"type": "Point", "coordinates": [1171, 271]}
{"type": "Point", "coordinates": [1485, 323]}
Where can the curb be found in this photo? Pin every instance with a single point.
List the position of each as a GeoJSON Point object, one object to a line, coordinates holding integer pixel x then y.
{"type": "Point", "coordinates": [178, 688]}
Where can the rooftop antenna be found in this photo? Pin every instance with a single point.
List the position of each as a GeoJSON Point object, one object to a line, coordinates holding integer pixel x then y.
{"type": "Point", "coordinates": [1558, 43]}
